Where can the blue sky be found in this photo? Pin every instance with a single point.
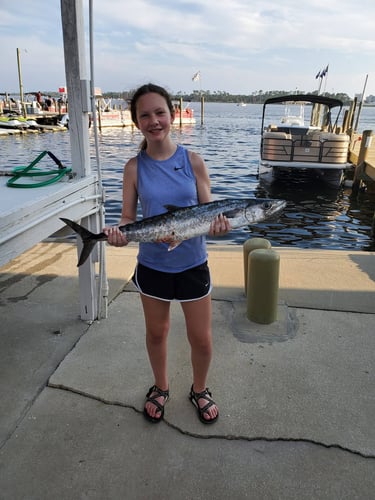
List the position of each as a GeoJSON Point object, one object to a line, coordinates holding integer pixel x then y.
{"type": "Point", "coordinates": [239, 46]}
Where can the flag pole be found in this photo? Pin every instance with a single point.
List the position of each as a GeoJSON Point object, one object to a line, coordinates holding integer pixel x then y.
{"type": "Point", "coordinates": [320, 84]}
{"type": "Point", "coordinates": [198, 77]}
{"type": "Point", "coordinates": [202, 98]}
{"type": "Point", "coordinates": [326, 76]}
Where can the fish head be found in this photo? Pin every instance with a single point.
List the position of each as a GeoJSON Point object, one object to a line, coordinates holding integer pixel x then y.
{"type": "Point", "coordinates": [263, 208]}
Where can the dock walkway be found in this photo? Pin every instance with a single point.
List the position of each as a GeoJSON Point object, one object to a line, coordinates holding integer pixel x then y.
{"type": "Point", "coordinates": [296, 397]}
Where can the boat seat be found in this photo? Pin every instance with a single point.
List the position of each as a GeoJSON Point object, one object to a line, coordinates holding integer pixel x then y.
{"type": "Point", "coordinates": [276, 135]}
{"type": "Point", "coordinates": [293, 130]}
{"type": "Point", "coordinates": [331, 136]}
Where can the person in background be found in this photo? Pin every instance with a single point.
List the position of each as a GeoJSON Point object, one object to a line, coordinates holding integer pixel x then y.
{"type": "Point", "coordinates": [39, 99]}
{"type": "Point", "coordinates": [164, 173]}
{"type": "Point", "coordinates": [48, 103]}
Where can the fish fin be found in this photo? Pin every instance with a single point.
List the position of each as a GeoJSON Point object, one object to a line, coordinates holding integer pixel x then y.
{"type": "Point", "coordinates": [173, 245]}
{"type": "Point", "coordinates": [89, 239]}
{"type": "Point", "coordinates": [77, 228]}
{"type": "Point", "coordinates": [86, 250]}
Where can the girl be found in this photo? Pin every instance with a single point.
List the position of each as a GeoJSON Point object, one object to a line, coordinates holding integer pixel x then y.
{"type": "Point", "coordinates": [164, 173]}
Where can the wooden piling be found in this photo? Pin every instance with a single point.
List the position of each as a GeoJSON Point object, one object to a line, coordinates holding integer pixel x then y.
{"type": "Point", "coordinates": [181, 108]}
{"type": "Point", "coordinates": [361, 163]}
{"type": "Point", "coordinates": [202, 110]}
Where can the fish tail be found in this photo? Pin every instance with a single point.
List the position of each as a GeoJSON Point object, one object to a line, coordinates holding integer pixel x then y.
{"type": "Point", "coordinates": [89, 239]}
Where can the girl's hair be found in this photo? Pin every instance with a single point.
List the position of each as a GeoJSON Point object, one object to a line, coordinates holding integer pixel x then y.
{"type": "Point", "coordinates": [147, 89]}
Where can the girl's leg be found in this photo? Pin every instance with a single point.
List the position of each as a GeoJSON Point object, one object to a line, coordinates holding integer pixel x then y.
{"type": "Point", "coordinates": [156, 313]}
{"type": "Point", "coordinates": [198, 315]}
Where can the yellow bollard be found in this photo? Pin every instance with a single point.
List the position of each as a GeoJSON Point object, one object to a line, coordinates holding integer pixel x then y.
{"type": "Point", "coordinates": [250, 245]}
{"type": "Point", "coordinates": [263, 286]}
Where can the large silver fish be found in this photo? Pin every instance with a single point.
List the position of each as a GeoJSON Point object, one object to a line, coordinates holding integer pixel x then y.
{"type": "Point", "coordinates": [179, 224]}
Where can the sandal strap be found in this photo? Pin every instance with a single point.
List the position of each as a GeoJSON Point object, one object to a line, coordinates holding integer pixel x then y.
{"type": "Point", "coordinates": [159, 393]}
{"type": "Point", "coordinates": [206, 395]}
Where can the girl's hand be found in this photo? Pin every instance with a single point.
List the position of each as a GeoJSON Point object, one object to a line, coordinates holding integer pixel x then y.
{"type": "Point", "coordinates": [116, 238]}
{"type": "Point", "coordinates": [219, 226]}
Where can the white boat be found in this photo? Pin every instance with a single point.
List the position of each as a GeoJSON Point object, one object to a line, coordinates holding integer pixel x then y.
{"type": "Point", "coordinates": [319, 148]}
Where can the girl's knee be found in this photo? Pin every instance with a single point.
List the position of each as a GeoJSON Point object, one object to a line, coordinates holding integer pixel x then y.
{"type": "Point", "coordinates": [202, 345]}
{"type": "Point", "coordinates": [157, 335]}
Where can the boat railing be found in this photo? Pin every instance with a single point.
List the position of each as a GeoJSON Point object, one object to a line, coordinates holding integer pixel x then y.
{"type": "Point", "coordinates": [323, 147]}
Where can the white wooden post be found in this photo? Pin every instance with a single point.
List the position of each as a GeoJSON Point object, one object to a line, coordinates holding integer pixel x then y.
{"type": "Point", "coordinates": [79, 106]}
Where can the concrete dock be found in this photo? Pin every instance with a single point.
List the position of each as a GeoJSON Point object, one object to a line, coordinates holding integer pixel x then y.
{"type": "Point", "coordinates": [296, 397]}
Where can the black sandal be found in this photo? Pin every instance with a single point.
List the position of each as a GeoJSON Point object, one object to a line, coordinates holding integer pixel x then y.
{"type": "Point", "coordinates": [206, 395]}
{"type": "Point", "coordinates": [153, 400]}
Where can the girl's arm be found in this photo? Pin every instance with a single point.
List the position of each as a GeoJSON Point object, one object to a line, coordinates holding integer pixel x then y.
{"type": "Point", "coordinates": [203, 179]}
{"type": "Point", "coordinates": [129, 193]}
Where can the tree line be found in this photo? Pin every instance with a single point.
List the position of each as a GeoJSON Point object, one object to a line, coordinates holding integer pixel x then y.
{"type": "Point", "coordinates": [257, 97]}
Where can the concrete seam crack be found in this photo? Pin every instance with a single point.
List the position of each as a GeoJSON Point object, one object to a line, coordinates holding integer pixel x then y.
{"type": "Point", "coordinates": [229, 437]}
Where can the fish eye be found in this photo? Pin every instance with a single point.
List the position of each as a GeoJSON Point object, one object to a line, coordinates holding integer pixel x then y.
{"type": "Point", "coordinates": [267, 204]}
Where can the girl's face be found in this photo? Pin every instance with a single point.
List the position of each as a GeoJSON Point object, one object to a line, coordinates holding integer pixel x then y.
{"type": "Point", "coordinates": [154, 118]}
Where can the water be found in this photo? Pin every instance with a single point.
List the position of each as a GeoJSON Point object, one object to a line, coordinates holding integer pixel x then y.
{"type": "Point", "coordinates": [315, 216]}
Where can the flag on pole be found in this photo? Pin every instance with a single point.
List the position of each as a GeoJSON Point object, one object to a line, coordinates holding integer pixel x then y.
{"type": "Point", "coordinates": [196, 76]}
{"type": "Point", "coordinates": [322, 73]}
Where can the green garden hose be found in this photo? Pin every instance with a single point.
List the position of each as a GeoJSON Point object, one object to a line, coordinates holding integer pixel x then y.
{"type": "Point", "coordinates": [30, 171]}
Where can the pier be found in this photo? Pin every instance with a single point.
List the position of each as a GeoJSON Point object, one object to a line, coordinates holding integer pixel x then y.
{"type": "Point", "coordinates": [296, 397]}
{"type": "Point", "coordinates": [362, 155]}
{"type": "Point", "coordinates": [30, 217]}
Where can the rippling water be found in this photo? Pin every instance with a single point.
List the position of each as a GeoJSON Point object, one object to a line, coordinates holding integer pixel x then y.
{"type": "Point", "coordinates": [315, 217]}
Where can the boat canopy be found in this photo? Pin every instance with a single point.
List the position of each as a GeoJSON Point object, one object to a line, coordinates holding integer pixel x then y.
{"type": "Point", "coordinates": [313, 98]}
{"type": "Point", "coordinates": [316, 100]}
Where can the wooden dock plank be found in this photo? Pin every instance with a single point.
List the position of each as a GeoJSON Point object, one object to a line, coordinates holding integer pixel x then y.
{"type": "Point", "coordinates": [354, 155]}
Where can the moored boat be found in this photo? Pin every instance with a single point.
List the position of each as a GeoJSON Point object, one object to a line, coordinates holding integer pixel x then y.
{"type": "Point", "coordinates": [319, 148]}
{"type": "Point", "coordinates": [108, 116]}
{"type": "Point", "coordinates": [114, 118]}
{"type": "Point", "coordinates": [184, 117]}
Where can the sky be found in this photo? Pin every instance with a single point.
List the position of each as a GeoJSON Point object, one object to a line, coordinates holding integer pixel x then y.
{"type": "Point", "coordinates": [239, 46]}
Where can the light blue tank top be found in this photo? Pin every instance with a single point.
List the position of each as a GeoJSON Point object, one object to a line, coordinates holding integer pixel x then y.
{"type": "Point", "coordinates": [168, 182]}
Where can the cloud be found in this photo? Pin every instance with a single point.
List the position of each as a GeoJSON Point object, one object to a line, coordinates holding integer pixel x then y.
{"type": "Point", "coordinates": [239, 46]}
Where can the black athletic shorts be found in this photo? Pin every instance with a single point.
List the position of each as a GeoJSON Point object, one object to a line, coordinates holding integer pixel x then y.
{"type": "Point", "coordinates": [192, 284]}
